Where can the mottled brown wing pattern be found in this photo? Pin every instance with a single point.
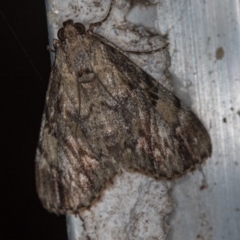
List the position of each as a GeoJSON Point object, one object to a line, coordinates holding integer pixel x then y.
{"type": "Point", "coordinates": [69, 173]}
{"type": "Point", "coordinates": [103, 113]}
{"type": "Point", "coordinates": [165, 137]}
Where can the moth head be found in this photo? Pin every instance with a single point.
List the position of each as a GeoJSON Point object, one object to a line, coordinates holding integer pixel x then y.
{"type": "Point", "coordinates": [70, 30]}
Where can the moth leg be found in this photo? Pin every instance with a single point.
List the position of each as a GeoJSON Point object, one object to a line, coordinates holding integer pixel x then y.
{"type": "Point", "coordinates": [50, 49]}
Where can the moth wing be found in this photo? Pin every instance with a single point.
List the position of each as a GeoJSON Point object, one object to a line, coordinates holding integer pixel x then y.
{"type": "Point", "coordinates": [120, 117]}
{"type": "Point", "coordinates": [162, 136]}
{"type": "Point", "coordinates": [70, 171]}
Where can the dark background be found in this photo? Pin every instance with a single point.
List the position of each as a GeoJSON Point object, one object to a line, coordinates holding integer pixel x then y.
{"type": "Point", "coordinates": [22, 101]}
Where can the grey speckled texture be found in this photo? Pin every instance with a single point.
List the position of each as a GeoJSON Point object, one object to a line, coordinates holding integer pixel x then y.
{"type": "Point", "coordinates": [204, 41]}
{"type": "Point", "coordinates": [134, 208]}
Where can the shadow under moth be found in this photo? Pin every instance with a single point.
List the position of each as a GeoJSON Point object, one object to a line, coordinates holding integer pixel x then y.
{"type": "Point", "coordinates": [103, 113]}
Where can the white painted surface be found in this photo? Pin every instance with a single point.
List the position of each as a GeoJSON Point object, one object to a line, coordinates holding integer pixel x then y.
{"type": "Point", "coordinates": [134, 207]}
{"type": "Point", "coordinates": [196, 29]}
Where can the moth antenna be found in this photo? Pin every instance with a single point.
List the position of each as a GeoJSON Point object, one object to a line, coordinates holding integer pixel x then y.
{"type": "Point", "coordinates": [109, 11]}
{"type": "Point", "coordinates": [20, 44]}
{"type": "Point", "coordinates": [96, 24]}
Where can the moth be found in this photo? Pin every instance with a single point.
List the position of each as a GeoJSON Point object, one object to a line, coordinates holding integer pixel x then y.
{"type": "Point", "coordinates": [103, 113]}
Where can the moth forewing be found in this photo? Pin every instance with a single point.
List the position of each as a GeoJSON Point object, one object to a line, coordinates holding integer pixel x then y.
{"type": "Point", "coordinates": [104, 113]}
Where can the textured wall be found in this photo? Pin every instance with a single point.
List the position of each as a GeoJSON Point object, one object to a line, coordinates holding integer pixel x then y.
{"type": "Point", "coordinates": [204, 41]}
